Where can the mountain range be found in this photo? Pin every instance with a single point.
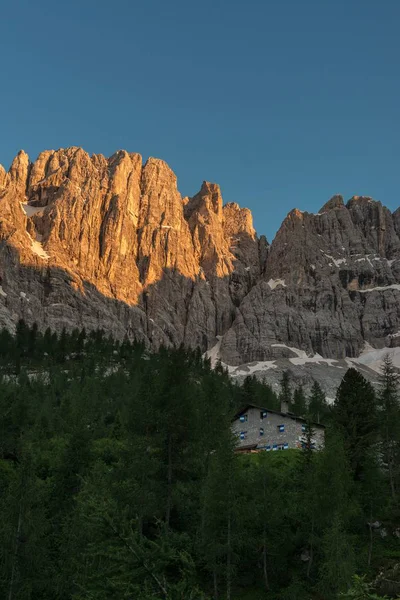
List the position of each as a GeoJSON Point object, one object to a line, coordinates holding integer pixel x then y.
{"type": "Point", "coordinates": [96, 242]}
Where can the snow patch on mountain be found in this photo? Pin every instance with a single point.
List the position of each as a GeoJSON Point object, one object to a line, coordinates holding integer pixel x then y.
{"type": "Point", "coordinates": [394, 286]}
{"type": "Point", "coordinates": [304, 369]}
{"type": "Point", "coordinates": [213, 353]}
{"type": "Point", "coordinates": [273, 283]}
{"type": "Point", "coordinates": [300, 353]}
{"type": "Point", "coordinates": [31, 210]}
{"type": "Point", "coordinates": [336, 261]}
{"type": "Point", "coordinates": [302, 357]}
{"type": "Point", "coordinates": [373, 357]}
{"type": "Point", "coordinates": [317, 358]}
{"type": "Point", "coordinates": [38, 249]}
{"type": "Point", "coordinates": [251, 368]}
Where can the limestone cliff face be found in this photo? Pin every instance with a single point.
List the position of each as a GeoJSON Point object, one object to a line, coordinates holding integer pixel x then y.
{"type": "Point", "coordinates": [330, 284]}
{"type": "Point", "coordinates": [95, 242]}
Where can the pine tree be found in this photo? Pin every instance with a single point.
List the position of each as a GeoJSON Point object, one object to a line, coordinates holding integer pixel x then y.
{"type": "Point", "coordinates": [80, 342]}
{"type": "Point", "coordinates": [21, 344]}
{"type": "Point", "coordinates": [25, 566]}
{"type": "Point", "coordinates": [389, 417]}
{"type": "Point", "coordinates": [7, 346]}
{"type": "Point", "coordinates": [355, 413]}
{"type": "Point", "coordinates": [257, 392]}
{"type": "Point", "coordinates": [248, 391]}
{"type": "Point", "coordinates": [285, 395]}
{"type": "Point", "coordinates": [308, 499]}
{"type": "Point", "coordinates": [32, 340]}
{"type": "Point", "coordinates": [334, 483]}
{"type": "Point", "coordinates": [47, 346]}
{"type": "Point", "coordinates": [267, 488]}
{"type": "Point", "coordinates": [372, 492]}
{"type": "Point", "coordinates": [219, 515]}
{"type": "Point", "coordinates": [62, 346]}
{"type": "Point", "coordinates": [299, 407]}
{"type": "Point", "coordinates": [317, 405]}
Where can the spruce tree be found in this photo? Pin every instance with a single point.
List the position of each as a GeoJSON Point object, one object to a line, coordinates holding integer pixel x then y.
{"type": "Point", "coordinates": [389, 420]}
{"type": "Point", "coordinates": [299, 407]}
{"type": "Point", "coordinates": [32, 340]}
{"type": "Point", "coordinates": [62, 346]}
{"type": "Point", "coordinates": [7, 346]}
{"type": "Point", "coordinates": [47, 346]}
{"type": "Point", "coordinates": [317, 406]}
{"type": "Point", "coordinates": [285, 395]}
{"type": "Point", "coordinates": [257, 392]}
{"type": "Point", "coordinates": [21, 344]}
{"type": "Point", "coordinates": [307, 495]}
{"type": "Point", "coordinates": [220, 516]}
{"type": "Point", "coordinates": [355, 413]}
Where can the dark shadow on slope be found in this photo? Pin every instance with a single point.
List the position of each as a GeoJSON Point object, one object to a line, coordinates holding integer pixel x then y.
{"type": "Point", "coordinates": [172, 311]}
{"type": "Point", "coordinates": [176, 310]}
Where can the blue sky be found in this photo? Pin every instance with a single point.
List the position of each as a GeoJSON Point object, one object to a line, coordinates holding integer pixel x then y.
{"type": "Point", "coordinates": [282, 102]}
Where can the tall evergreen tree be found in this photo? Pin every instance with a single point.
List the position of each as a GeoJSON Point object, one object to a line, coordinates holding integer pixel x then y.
{"type": "Point", "coordinates": [355, 412]}
{"type": "Point", "coordinates": [257, 392]}
{"type": "Point", "coordinates": [317, 406]}
{"type": "Point", "coordinates": [389, 420]}
{"type": "Point", "coordinates": [307, 495]}
{"type": "Point", "coordinates": [285, 395]}
{"type": "Point", "coordinates": [299, 406]}
{"type": "Point", "coordinates": [220, 517]}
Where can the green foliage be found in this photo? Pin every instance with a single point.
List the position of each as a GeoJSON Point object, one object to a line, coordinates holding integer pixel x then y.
{"type": "Point", "coordinates": [355, 412]}
{"type": "Point", "coordinates": [119, 479]}
{"type": "Point", "coordinates": [360, 590]}
{"type": "Point", "coordinates": [256, 392]}
{"type": "Point", "coordinates": [299, 403]}
{"type": "Point", "coordinates": [285, 395]}
{"type": "Point", "coordinates": [338, 561]}
{"type": "Point", "coordinates": [389, 424]}
{"type": "Point", "coordinates": [318, 410]}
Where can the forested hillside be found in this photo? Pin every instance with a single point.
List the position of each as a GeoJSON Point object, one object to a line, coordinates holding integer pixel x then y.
{"type": "Point", "coordinates": [119, 480]}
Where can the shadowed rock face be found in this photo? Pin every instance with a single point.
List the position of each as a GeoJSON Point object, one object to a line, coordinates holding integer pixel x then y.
{"type": "Point", "coordinates": [109, 242]}
{"type": "Point", "coordinates": [322, 288]}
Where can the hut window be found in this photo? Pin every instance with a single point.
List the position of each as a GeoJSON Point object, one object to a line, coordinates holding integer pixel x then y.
{"type": "Point", "coordinates": [281, 428]}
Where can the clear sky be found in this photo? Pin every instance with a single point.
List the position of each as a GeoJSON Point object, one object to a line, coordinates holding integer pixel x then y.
{"type": "Point", "coordinates": [282, 102]}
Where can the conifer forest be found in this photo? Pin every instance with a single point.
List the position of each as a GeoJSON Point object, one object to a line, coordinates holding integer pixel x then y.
{"type": "Point", "coordinates": [119, 479]}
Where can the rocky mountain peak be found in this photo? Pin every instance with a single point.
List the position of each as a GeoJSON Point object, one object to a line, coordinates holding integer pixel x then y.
{"type": "Point", "coordinates": [110, 243]}
{"type": "Point", "coordinates": [238, 220]}
{"type": "Point", "coordinates": [3, 177]}
{"type": "Point", "coordinates": [335, 202]}
{"type": "Point", "coordinates": [207, 201]}
{"type": "Point", "coordinates": [114, 237]}
{"type": "Point", "coordinates": [19, 172]}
